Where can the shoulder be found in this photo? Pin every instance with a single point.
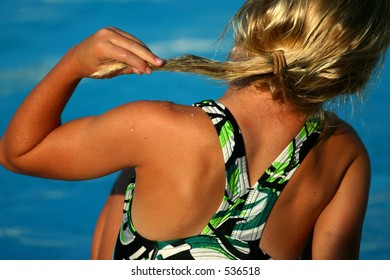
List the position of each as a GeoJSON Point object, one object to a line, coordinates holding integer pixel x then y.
{"type": "Point", "coordinates": [346, 166]}
{"type": "Point", "coordinates": [341, 139]}
{"type": "Point", "coordinates": [166, 125]}
{"type": "Point", "coordinates": [153, 116]}
{"type": "Point", "coordinates": [160, 111]}
{"type": "Point", "coordinates": [342, 154]}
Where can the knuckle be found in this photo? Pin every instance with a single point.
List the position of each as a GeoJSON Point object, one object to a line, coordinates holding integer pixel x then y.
{"type": "Point", "coordinates": [104, 32]}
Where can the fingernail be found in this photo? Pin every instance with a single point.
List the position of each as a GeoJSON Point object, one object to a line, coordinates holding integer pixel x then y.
{"type": "Point", "coordinates": [136, 71]}
{"type": "Point", "coordinates": [148, 70]}
{"type": "Point", "coordinates": [159, 61]}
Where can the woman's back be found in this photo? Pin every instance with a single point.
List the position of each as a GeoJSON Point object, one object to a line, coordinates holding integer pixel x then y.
{"type": "Point", "coordinates": [188, 187]}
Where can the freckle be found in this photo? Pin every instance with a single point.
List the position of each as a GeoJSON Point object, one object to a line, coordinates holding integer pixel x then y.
{"type": "Point", "coordinates": [146, 138]}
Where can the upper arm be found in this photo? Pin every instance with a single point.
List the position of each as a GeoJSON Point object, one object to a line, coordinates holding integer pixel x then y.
{"type": "Point", "coordinates": [337, 232]}
{"type": "Point", "coordinates": [95, 146]}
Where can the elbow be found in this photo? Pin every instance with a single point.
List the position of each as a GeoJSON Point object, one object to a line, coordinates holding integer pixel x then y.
{"type": "Point", "coordinates": [22, 164]}
{"type": "Point", "coordinates": [3, 161]}
{"type": "Point", "coordinates": [14, 166]}
{"type": "Point", "coordinates": [8, 162]}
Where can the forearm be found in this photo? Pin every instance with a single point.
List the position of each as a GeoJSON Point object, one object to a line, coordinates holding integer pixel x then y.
{"type": "Point", "coordinates": [40, 113]}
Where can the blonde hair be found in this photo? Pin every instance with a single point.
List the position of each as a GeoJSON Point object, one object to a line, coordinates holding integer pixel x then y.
{"type": "Point", "coordinates": [330, 48]}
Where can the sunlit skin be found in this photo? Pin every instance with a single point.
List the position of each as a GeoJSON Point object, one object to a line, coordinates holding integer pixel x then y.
{"type": "Point", "coordinates": [328, 193]}
{"type": "Point", "coordinates": [110, 218]}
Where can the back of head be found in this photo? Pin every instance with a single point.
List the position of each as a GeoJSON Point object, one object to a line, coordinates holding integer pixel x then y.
{"type": "Point", "coordinates": [331, 47]}
{"type": "Point", "coordinates": [305, 51]}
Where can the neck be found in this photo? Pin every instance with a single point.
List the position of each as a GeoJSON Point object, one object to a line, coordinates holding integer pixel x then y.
{"type": "Point", "coordinates": [256, 103]}
{"type": "Point", "coordinates": [267, 125]}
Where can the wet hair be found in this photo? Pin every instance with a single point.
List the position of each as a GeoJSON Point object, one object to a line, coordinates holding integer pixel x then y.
{"type": "Point", "coordinates": [305, 51]}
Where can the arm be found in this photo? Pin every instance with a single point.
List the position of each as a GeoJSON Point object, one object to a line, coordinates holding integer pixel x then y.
{"type": "Point", "coordinates": [110, 218]}
{"type": "Point", "coordinates": [337, 232]}
{"type": "Point", "coordinates": [35, 133]}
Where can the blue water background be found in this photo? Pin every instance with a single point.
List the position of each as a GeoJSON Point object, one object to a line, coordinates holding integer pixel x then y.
{"type": "Point", "coordinates": [48, 219]}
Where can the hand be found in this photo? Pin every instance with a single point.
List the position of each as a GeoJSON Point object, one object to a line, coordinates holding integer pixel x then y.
{"type": "Point", "coordinates": [111, 52]}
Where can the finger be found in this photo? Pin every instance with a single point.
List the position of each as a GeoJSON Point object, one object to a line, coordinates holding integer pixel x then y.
{"type": "Point", "coordinates": [136, 46]}
{"type": "Point", "coordinates": [110, 71]}
{"type": "Point", "coordinates": [132, 57]}
{"type": "Point", "coordinates": [127, 35]}
{"type": "Point", "coordinates": [129, 70]}
{"type": "Point", "coordinates": [132, 47]}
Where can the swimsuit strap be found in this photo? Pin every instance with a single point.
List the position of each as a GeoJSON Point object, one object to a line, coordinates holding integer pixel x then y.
{"type": "Point", "coordinates": [263, 196]}
{"type": "Point", "coordinates": [232, 145]}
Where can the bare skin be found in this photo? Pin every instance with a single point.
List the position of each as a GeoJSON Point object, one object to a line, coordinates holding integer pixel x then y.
{"type": "Point", "coordinates": [328, 193]}
{"type": "Point", "coordinates": [110, 218]}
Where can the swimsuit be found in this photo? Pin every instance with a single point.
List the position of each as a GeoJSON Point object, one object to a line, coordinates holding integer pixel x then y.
{"type": "Point", "coordinates": [235, 230]}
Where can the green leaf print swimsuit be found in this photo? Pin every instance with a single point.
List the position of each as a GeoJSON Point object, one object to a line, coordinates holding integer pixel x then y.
{"type": "Point", "coordinates": [235, 230]}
